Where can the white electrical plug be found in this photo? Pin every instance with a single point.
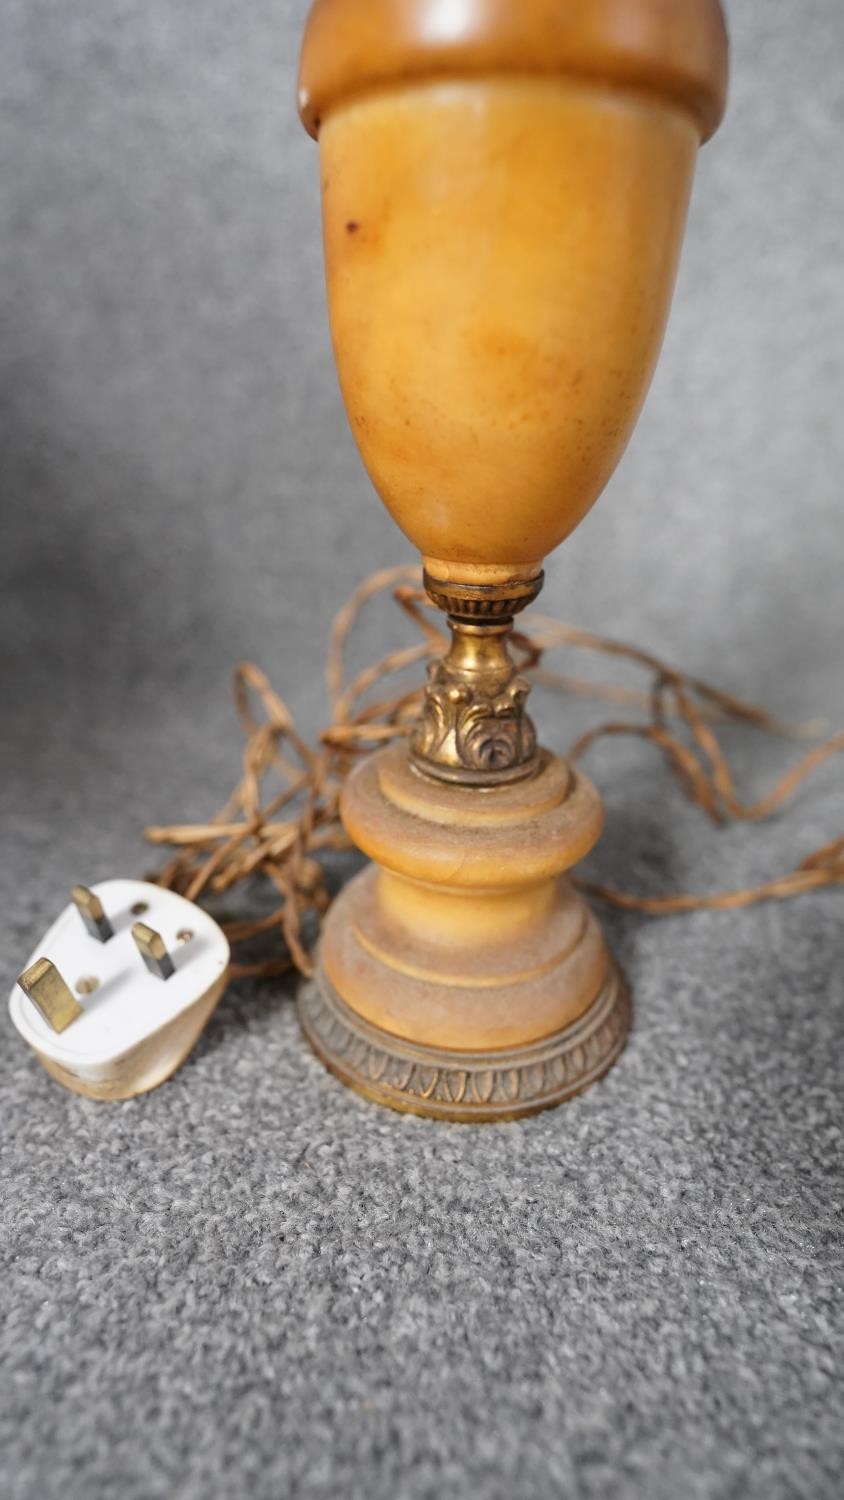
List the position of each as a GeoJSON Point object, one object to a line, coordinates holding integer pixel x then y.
{"type": "Point", "coordinates": [117, 992]}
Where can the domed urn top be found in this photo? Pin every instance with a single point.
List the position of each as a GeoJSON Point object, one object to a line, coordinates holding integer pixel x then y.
{"type": "Point", "coordinates": [673, 48]}
{"type": "Point", "coordinates": [504, 194]}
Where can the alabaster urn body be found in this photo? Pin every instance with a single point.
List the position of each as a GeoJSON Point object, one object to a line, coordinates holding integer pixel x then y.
{"type": "Point", "coordinates": [504, 189]}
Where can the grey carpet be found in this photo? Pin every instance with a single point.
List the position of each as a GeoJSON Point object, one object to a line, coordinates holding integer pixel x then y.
{"type": "Point", "coordinates": [250, 1282]}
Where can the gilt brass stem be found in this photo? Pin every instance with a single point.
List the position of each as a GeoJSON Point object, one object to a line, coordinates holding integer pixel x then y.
{"type": "Point", "coordinates": [473, 728]}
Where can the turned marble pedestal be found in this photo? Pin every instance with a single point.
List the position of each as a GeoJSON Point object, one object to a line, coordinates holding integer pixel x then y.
{"type": "Point", "coordinates": [466, 935]}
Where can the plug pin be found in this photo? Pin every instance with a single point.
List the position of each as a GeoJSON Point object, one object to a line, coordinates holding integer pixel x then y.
{"type": "Point", "coordinates": [90, 909]}
{"type": "Point", "coordinates": [43, 985]}
{"type": "Point", "coordinates": [153, 950]}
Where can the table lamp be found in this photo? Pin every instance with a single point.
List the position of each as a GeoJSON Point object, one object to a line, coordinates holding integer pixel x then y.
{"type": "Point", "coordinates": [504, 194]}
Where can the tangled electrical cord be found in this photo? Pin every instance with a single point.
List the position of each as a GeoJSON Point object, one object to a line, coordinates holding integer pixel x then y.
{"type": "Point", "coordinates": [280, 836]}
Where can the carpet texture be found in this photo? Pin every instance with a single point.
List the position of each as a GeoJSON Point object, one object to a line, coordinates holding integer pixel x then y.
{"type": "Point", "coordinates": [251, 1283]}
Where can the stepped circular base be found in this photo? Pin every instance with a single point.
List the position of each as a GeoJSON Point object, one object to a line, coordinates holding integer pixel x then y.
{"type": "Point", "coordinates": [465, 1086]}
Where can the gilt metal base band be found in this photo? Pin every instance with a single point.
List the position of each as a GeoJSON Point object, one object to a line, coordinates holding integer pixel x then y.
{"type": "Point", "coordinates": [463, 1086]}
